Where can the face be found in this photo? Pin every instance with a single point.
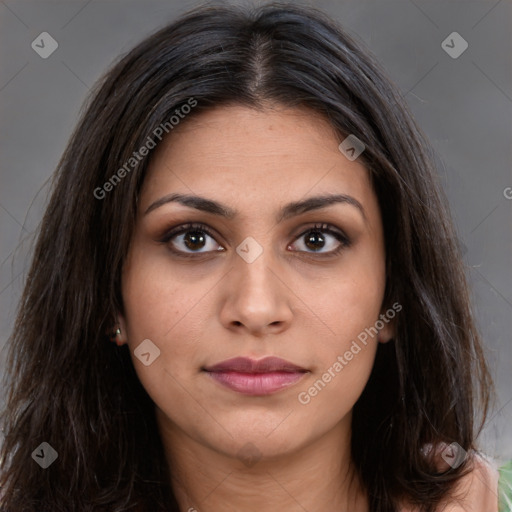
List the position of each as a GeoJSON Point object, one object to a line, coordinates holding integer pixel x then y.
{"type": "Point", "coordinates": [253, 275]}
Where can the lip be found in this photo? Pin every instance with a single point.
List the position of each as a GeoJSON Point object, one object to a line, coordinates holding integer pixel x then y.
{"type": "Point", "coordinates": [248, 365]}
{"type": "Point", "coordinates": [256, 377]}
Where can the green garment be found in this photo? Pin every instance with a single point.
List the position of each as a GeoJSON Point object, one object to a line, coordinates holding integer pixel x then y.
{"type": "Point", "coordinates": [505, 487]}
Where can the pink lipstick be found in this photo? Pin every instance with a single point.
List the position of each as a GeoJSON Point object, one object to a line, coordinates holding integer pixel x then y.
{"type": "Point", "coordinates": [251, 377]}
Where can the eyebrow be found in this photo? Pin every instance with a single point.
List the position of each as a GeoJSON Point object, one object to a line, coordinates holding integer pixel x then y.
{"type": "Point", "coordinates": [289, 210]}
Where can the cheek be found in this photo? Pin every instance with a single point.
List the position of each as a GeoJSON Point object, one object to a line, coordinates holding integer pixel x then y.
{"type": "Point", "coordinates": [171, 313]}
{"type": "Point", "coordinates": [348, 308]}
{"type": "Point", "coordinates": [343, 359]}
{"type": "Point", "coordinates": [156, 298]}
{"type": "Point", "coordinates": [352, 302]}
{"type": "Point", "coordinates": [329, 397]}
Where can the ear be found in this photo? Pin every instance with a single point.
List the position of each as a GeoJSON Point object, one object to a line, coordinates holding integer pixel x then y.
{"type": "Point", "coordinates": [121, 338]}
{"type": "Point", "coordinates": [387, 324]}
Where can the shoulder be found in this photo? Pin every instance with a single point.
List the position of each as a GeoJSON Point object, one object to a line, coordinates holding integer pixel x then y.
{"type": "Point", "coordinates": [478, 490]}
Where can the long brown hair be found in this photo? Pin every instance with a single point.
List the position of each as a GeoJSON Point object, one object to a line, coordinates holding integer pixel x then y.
{"type": "Point", "coordinates": [70, 387]}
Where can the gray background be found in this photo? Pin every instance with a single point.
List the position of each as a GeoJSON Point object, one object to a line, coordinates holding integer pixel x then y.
{"type": "Point", "coordinates": [464, 106]}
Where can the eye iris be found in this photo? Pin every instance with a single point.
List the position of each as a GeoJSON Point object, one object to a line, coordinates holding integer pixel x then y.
{"type": "Point", "coordinates": [193, 238]}
{"type": "Point", "coordinates": [315, 237]}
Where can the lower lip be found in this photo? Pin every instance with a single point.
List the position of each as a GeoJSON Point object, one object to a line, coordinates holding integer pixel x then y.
{"type": "Point", "coordinates": [257, 383]}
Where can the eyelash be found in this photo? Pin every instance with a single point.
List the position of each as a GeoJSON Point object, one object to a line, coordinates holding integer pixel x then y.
{"type": "Point", "coordinates": [184, 228]}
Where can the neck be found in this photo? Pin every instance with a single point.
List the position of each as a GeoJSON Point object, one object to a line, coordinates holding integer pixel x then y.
{"type": "Point", "coordinates": [319, 476]}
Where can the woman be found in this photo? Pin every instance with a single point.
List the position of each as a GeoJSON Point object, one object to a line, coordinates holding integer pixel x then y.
{"type": "Point", "coordinates": [246, 292]}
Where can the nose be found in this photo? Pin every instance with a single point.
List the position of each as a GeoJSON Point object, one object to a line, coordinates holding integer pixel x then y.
{"type": "Point", "coordinates": [256, 298]}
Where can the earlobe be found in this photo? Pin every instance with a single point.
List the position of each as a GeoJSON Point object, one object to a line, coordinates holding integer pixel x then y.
{"type": "Point", "coordinates": [119, 331]}
{"type": "Point", "coordinates": [384, 338]}
{"type": "Point", "coordinates": [387, 332]}
{"type": "Point", "coordinates": [386, 324]}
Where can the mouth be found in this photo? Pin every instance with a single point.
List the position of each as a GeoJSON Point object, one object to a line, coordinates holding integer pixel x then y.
{"type": "Point", "coordinates": [256, 378]}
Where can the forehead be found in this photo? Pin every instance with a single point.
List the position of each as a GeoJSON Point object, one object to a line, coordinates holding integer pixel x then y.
{"type": "Point", "coordinates": [260, 154]}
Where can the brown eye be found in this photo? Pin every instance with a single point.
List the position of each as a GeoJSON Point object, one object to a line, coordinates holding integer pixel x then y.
{"type": "Point", "coordinates": [315, 239]}
{"type": "Point", "coordinates": [194, 240]}
{"type": "Point", "coordinates": [191, 239]}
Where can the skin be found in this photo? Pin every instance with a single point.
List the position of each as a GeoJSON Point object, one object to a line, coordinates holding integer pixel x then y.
{"type": "Point", "coordinates": [289, 302]}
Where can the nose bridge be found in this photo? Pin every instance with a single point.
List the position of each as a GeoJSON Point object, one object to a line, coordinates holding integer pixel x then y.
{"type": "Point", "coordinates": [254, 265]}
{"type": "Point", "coordinates": [256, 298]}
